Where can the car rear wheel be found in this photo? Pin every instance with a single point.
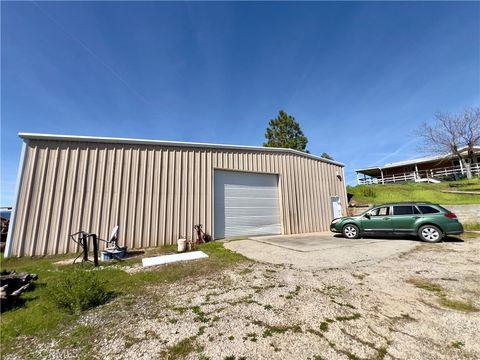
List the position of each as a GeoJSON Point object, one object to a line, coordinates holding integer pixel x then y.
{"type": "Point", "coordinates": [430, 233]}
{"type": "Point", "coordinates": [351, 231]}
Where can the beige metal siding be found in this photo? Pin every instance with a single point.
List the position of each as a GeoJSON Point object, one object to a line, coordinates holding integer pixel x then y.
{"type": "Point", "coordinates": [155, 193]}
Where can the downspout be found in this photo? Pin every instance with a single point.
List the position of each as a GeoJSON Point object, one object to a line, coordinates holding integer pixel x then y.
{"type": "Point", "coordinates": [11, 227]}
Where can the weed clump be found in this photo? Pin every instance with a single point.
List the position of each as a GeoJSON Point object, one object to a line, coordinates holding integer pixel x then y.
{"type": "Point", "coordinates": [77, 290]}
{"type": "Point", "coordinates": [324, 326]}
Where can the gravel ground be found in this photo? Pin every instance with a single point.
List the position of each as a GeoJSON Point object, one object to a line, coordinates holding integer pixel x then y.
{"type": "Point", "coordinates": [398, 308]}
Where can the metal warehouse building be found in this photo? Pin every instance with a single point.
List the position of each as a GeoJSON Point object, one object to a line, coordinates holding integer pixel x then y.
{"type": "Point", "coordinates": [156, 191]}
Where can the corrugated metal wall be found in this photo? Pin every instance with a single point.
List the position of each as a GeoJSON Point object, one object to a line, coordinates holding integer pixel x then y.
{"type": "Point", "coordinates": [155, 193]}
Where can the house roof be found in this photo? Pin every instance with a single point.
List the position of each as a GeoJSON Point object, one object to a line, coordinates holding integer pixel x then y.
{"type": "Point", "coordinates": [413, 161]}
{"type": "Point", "coordinates": [112, 140]}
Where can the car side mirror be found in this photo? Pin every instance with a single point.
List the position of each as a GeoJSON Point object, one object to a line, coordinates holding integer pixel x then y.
{"type": "Point", "coordinates": [368, 216]}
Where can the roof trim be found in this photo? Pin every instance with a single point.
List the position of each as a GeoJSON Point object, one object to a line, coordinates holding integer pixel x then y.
{"type": "Point", "coordinates": [414, 161]}
{"type": "Point", "coordinates": [98, 139]}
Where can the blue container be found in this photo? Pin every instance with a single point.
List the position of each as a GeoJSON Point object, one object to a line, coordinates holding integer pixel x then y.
{"type": "Point", "coordinates": [110, 254]}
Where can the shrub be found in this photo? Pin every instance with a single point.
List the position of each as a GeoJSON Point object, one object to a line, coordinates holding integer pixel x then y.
{"type": "Point", "coordinates": [77, 290]}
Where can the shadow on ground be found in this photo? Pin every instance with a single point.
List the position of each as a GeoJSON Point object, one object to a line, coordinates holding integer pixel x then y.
{"type": "Point", "coordinates": [449, 239]}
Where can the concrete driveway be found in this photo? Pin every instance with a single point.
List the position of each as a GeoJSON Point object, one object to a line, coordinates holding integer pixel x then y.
{"type": "Point", "coordinates": [319, 250]}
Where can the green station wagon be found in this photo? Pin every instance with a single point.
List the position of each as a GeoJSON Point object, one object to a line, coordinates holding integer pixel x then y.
{"type": "Point", "coordinates": [430, 222]}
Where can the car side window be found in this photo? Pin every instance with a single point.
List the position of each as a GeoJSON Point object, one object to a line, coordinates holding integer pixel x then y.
{"type": "Point", "coordinates": [428, 209]}
{"type": "Point", "coordinates": [382, 211]}
{"type": "Point", "coordinates": [415, 210]}
{"type": "Point", "coordinates": [403, 210]}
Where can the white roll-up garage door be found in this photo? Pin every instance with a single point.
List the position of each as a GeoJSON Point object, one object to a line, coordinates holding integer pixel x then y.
{"type": "Point", "coordinates": [245, 204]}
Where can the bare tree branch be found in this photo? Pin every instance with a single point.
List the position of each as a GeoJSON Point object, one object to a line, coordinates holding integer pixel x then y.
{"type": "Point", "coordinates": [453, 134]}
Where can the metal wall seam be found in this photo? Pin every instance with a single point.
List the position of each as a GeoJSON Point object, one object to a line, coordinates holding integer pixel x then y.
{"type": "Point", "coordinates": [208, 224]}
{"type": "Point", "coordinates": [39, 197]}
{"type": "Point", "coordinates": [323, 194]}
{"type": "Point", "coordinates": [65, 154]}
{"type": "Point", "coordinates": [284, 190]}
{"type": "Point", "coordinates": [110, 197]}
{"type": "Point", "coordinates": [126, 203]}
{"type": "Point", "coordinates": [53, 175]}
{"type": "Point", "coordinates": [28, 194]}
{"type": "Point", "coordinates": [70, 187]}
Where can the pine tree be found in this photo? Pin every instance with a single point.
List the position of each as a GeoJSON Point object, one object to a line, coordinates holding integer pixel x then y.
{"type": "Point", "coordinates": [285, 132]}
{"type": "Point", "coordinates": [326, 156]}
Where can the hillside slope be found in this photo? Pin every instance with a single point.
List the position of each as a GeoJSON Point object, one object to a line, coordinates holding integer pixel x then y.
{"type": "Point", "coordinates": [379, 194]}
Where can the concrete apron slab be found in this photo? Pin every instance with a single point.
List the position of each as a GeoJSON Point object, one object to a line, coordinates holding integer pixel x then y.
{"type": "Point", "coordinates": [320, 250]}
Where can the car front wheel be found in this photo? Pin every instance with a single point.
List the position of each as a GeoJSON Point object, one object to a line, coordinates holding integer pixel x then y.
{"type": "Point", "coordinates": [430, 233]}
{"type": "Point", "coordinates": [351, 231]}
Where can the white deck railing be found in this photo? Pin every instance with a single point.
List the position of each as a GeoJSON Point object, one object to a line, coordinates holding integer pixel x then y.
{"type": "Point", "coordinates": [421, 175]}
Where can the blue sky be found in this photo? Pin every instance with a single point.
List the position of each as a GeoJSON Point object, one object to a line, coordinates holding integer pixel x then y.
{"type": "Point", "coordinates": [359, 77]}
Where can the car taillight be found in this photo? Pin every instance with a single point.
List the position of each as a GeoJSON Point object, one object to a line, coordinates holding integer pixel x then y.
{"type": "Point", "coordinates": [451, 216]}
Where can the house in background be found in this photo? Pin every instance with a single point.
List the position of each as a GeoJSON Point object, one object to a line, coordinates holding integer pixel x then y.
{"type": "Point", "coordinates": [433, 168]}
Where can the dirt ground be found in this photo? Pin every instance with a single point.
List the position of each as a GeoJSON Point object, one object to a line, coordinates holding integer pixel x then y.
{"type": "Point", "coordinates": [419, 304]}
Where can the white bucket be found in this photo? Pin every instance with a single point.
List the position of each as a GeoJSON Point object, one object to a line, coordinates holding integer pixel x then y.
{"type": "Point", "coordinates": [182, 245]}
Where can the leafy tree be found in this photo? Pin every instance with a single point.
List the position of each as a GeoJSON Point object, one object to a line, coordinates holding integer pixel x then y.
{"type": "Point", "coordinates": [454, 134]}
{"type": "Point", "coordinates": [326, 156]}
{"type": "Point", "coordinates": [285, 132]}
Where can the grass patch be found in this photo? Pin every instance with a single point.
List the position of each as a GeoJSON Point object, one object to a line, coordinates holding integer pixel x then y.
{"type": "Point", "coordinates": [443, 300]}
{"type": "Point", "coordinates": [40, 318]}
{"type": "Point", "coordinates": [457, 305]}
{"type": "Point", "coordinates": [401, 192]}
{"type": "Point", "coordinates": [181, 349]}
{"type": "Point", "coordinates": [200, 315]}
{"type": "Point", "coordinates": [293, 293]}
{"type": "Point", "coordinates": [381, 353]}
{"type": "Point", "coordinates": [343, 304]}
{"type": "Point", "coordinates": [201, 330]}
{"type": "Point", "coordinates": [425, 285]}
{"type": "Point", "coordinates": [246, 271]}
{"type": "Point", "coordinates": [251, 336]}
{"type": "Point", "coordinates": [80, 338]}
{"type": "Point", "coordinates": [457, 344]}
{"type": "Point", "coordinates": [472, 226]}
{"type": "Point", "coordinates": [355, 316]}
{"type": "Point", "coordinates": [281, 329]}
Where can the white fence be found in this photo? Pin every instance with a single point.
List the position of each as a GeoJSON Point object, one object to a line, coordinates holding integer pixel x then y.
{"type": "Point", "coordinates": [421, 175]}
